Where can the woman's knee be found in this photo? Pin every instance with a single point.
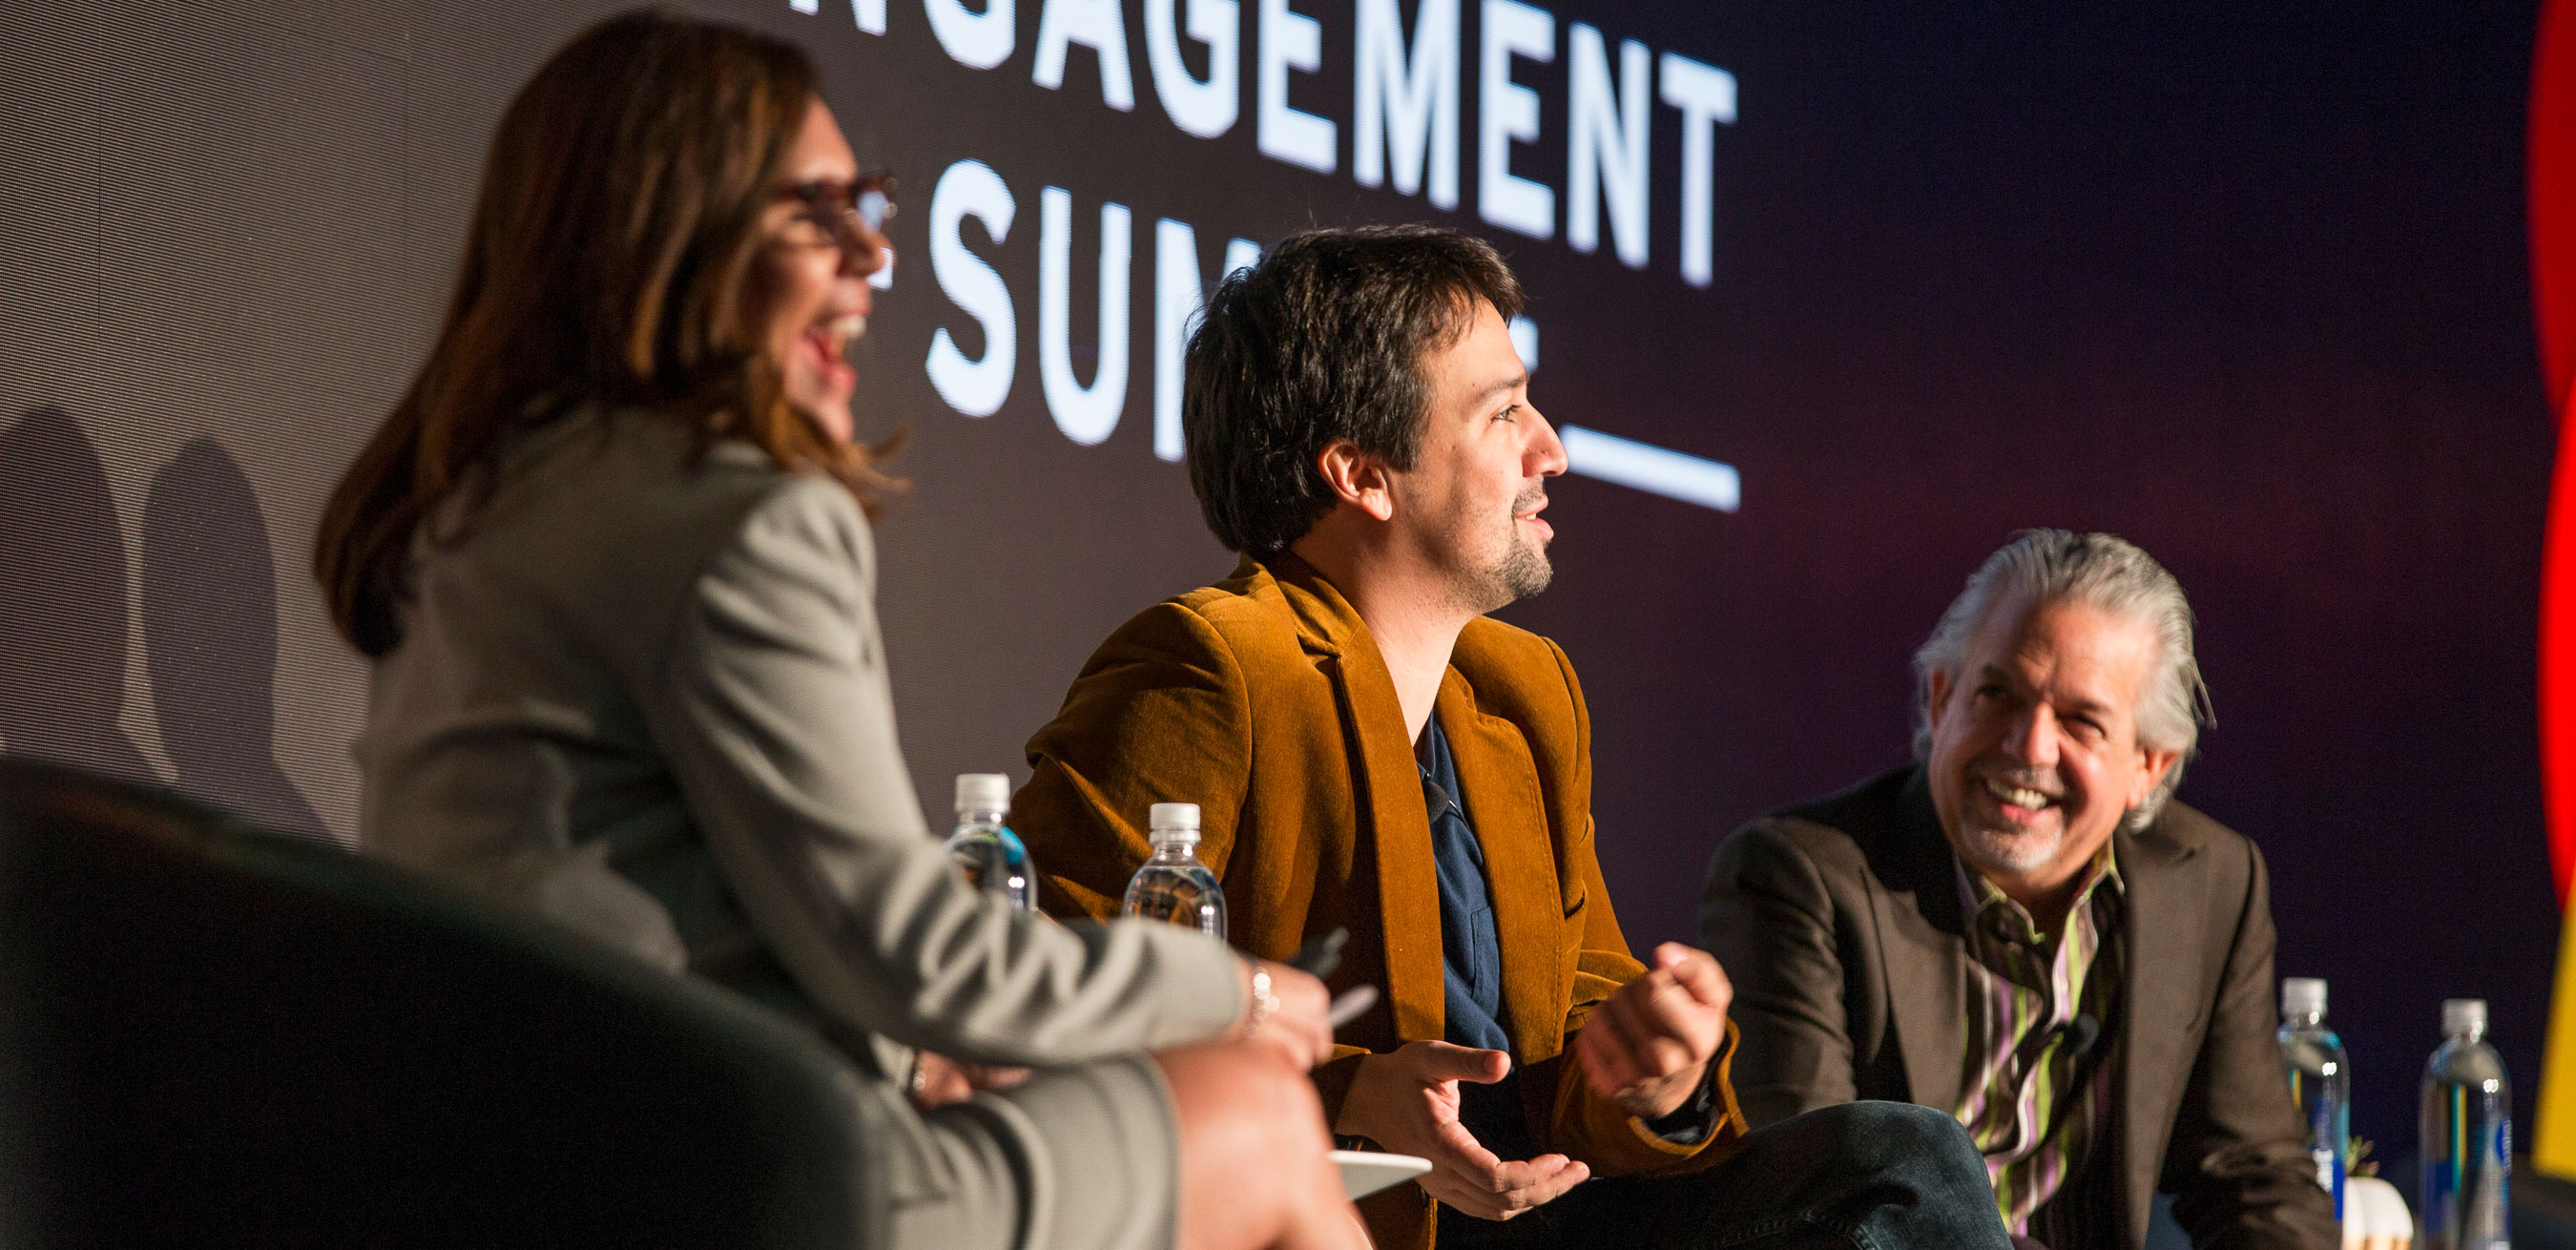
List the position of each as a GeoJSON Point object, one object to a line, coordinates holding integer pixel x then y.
{"type": "Point", "coordinates": [1245, 1094]}
{"type": "Point", "coordinates": [1254, 1161]}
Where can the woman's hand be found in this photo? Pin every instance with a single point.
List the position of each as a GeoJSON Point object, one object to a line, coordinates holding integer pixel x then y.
{"type": "Point", "coordinates": [938, 1080]}
{"type": "Point", "coordinates": [1293, 1022]}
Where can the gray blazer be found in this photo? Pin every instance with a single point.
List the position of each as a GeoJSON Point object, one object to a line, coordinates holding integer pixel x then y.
{"type": "Point", "coordinates": [1838, 922]}
{"type": "Point", "coordinates": [642, 693]}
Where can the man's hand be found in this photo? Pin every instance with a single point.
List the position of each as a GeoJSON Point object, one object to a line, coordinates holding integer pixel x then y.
{"type": "Point", "coordinates": [1649, 1045]}
{"type": "Point", "coordinates": [1407, 1101]}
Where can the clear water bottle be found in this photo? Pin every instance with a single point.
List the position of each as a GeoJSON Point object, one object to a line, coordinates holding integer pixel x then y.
{"type": "Point", "coordinates": [992, 857]}
{"type": "Point", "coordinates": [2320, 1080]}
{"type": "Point", "coordinates": [2467, 1139]}
{"type": "Point", "coordinates": [1174, 885]}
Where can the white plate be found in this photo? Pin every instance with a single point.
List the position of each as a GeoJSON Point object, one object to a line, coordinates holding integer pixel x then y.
{"type": "Point", "coordinates": [1365, 1172]}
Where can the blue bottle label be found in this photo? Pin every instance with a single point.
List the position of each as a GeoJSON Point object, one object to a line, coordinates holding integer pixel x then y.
{"type": "Point", "coordinates": [2330, 1175]}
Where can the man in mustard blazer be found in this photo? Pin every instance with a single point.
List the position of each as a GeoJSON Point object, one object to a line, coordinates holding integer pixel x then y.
{"type": "Point", "coordinates": [1369, 752]}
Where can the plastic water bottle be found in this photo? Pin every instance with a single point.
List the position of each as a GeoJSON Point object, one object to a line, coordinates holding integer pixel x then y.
{"type": "Point", "coordinates": [2467, 1139]}
{"type": "Point", "coordinates": [1174, 885]}
{"type": "Point", "coordinates": [992, 857]}
{"type": "Point", "coordinates": [2320, 1079]}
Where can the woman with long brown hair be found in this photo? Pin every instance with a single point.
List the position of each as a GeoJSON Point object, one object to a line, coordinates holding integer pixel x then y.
{"type": "Point", "coordinates": [611, 557]}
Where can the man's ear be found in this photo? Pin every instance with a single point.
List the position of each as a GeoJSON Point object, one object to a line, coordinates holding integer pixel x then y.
{"type": "Point", "coordinates": [2158, 764]}
{"type": "Point", "coordinates": [1936, 698]}
{"type": "Point", "coordinates": [1357, 478]}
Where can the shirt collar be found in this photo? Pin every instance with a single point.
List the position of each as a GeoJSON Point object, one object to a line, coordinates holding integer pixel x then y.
{"type": "Point", "coordinates": [2007, 919]}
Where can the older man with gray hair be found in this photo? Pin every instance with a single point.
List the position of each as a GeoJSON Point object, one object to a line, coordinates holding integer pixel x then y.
{"type": "Point", "coordinates": [2024, 929]}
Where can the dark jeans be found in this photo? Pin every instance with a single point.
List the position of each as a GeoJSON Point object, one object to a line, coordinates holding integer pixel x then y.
{"type": "Point", "coordinates": [1879, 1175]}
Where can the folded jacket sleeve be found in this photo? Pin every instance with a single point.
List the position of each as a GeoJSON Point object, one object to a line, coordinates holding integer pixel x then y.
{"type": "Point", "coordinates": [1583, 1123]}
{"type": "Point", "coordinates": [1596, 1129]}
{"type": "Point", "coordinates": [770, 700]}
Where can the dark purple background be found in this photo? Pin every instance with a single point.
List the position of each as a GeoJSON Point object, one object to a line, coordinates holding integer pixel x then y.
{"type": "Point", "coordinates": [2246, 287]}
{"type": "Point", "coordinates": [2242, 283]}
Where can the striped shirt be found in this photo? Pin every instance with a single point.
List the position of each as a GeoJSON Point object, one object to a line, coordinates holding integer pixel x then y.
{"type": "Point", "coordinates": [2036, 1093]}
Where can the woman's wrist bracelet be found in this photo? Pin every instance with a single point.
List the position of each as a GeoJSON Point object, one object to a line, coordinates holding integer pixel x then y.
{"type": "Point", "coordinates": [1264, 1003]}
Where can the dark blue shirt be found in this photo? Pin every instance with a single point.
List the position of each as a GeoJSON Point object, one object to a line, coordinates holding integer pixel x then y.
{"type": "Point", "coordinates": [1471, 959]}
{"type": "Point", "coordinates": [1471, 970]}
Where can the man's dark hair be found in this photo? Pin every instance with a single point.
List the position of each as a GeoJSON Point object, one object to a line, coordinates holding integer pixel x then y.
{"type": "Point", "coordinates": [1324, 339]}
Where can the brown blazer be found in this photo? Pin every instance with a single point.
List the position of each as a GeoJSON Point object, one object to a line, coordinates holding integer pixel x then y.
{"type": "Point", "coordinates": [1839, 924]}
{"type": "Point", "coordinates": [1263, 700]}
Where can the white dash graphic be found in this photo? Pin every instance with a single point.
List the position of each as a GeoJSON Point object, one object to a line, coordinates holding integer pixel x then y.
{"type": "Point", "coordinates": [1646, 467]}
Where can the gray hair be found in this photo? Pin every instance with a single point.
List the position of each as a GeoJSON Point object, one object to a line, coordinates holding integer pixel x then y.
{"type": "Point", "coordinates": [2100, 571]}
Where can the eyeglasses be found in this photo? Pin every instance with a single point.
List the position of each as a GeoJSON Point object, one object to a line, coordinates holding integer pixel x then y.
{"type": "Point", "coordinates": [849, 215]}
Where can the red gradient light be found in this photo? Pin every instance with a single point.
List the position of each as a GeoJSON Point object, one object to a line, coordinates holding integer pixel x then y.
{"type": "Point", "coordinates": [2553, 280]}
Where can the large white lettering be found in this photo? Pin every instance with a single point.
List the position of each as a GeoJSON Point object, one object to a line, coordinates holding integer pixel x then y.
{"type": "Point", "coordinates": [869, 14]}
{"type": "Point", "coordinates": [1606, 155]}
{"type": "Point", "coordinates": [1507, 111]}
{"type": "Point", "coordinates": [975, 388]}
{"type": "Point", "coordinates": [1405, 104]}
{"type": "Point", "coordinates": [1180, 291]}
{"type": "Point", "coordinates": [974, 40]}
{"type": "Point", "coordinates": [1206, 109]}
{"type": "Point", "coordinates": [1086, 414]}
{"type": "Point", "coordinates": [1413, 108]}
{"type": "Point", "coordinates": [1095, 24]}
{"type": "Point", "coordinates": [1706, 96]}
{"type": "Point", "coordinates": [1290, 40]}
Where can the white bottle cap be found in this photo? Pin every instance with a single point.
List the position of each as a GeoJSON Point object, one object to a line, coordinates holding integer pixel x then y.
{"type": "Point", "coordinates": [2463, 1015]}
{"type": "Point", "coordinates": [983, 792]}
{"type": "Point", "coordinates": [2303, 996]}
{"type": "Point", "coordinates": [1174, 822]}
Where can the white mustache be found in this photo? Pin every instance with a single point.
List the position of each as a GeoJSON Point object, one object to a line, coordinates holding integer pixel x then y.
{"type": "Point", "coordinates": [2023, 779]}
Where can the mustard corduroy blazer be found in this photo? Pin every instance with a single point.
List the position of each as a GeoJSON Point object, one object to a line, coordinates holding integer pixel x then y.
{"type": "Point", "coordinates": [1264, 700]}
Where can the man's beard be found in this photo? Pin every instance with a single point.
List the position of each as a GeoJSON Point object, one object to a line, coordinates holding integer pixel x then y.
{"type": "Point", "coordinates": [1523, 569]}
{"type": "Point", "coordinates": [1996, 851]}
{"type": "Point", "coordinates": [2005, 850]}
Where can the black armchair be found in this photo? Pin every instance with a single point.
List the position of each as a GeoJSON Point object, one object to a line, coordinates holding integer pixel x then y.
{"type": "Point", "coordinates": [211, 1035]}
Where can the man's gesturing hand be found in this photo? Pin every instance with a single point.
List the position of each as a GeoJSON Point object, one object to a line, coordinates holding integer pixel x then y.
{"type": "Point", "coordinates": [1648, 1046]}
{"type": "Point", "coordinates": [1407, 1101]}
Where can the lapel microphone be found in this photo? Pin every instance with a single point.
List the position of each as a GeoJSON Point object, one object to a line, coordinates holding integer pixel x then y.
{"type": "Point", "coordinates": [2079, 1034]}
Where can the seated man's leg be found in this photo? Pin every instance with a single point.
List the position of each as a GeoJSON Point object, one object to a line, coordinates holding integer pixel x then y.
{"type": "Point", "coordinates": [1866, 1174]}
{"type": "Point", "coordinates": [1873, 1174]}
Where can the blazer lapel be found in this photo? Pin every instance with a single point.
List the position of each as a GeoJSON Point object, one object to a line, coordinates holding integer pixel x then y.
{"type": "Point", "coordinates": [1386, 789]}
{"type": "Point", "coordinates": [1925, 955]}
{"type": "Point", "coordinates": [1503, 802]}
{"type": "Point", "coordinates": [2161, 925]}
